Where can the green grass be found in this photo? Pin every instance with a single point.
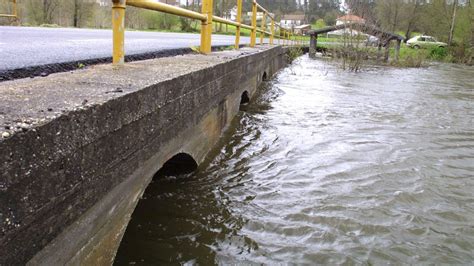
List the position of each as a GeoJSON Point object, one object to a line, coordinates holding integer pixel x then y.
{"type": "Point", "coordinates": [230, 30]}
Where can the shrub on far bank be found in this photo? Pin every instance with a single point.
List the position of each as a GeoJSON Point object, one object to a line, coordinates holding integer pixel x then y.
{"type": "Point", "coordinates": [438, 53]}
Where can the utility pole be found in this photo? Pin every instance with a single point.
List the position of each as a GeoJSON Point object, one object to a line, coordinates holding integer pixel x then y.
{"type": "Point", "coordinates": [453, 21]}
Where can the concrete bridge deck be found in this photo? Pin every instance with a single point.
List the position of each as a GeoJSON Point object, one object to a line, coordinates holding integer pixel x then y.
{"type": "Point", "coordinates": [78, 149]}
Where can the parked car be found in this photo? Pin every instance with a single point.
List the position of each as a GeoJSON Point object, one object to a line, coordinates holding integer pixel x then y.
{"type": "Point", "coordinates": [372, 41]}
{"type": "Point", "coordinates": [425, 42]}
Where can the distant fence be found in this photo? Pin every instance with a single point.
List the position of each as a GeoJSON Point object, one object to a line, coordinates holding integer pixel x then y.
{"type": "Point", "coordinates": [206, 17]}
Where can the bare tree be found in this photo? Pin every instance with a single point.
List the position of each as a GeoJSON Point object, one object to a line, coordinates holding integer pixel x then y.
{"type": "Point", "coordinates": [453, 22]}
{"type": "Point", "coordinates": [76, 13]}
{"type": "Point", "coordinates": [412, 10]}
{"type": "Point", "coordinates": [83, 12]}
{"type": "Point", "coordinates": [49, 7]}
{"type": "Point", "coordinates": [389, 14]}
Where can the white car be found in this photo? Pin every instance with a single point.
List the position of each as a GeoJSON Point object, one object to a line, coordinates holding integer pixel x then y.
{"type": "Point", "coordinates": [424, 41]}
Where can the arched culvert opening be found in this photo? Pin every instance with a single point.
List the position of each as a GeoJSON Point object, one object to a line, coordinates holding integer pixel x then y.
{"type": "Point", "coordinates": [244, 99]}
{"type": "Point", "coordinates": [264, 76]}
{"type": "Point", "coordinates": [180, 164]}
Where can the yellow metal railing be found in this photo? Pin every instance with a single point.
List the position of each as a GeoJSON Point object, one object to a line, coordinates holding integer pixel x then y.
{"type": "Point", "coordinates": [14, 14]}
{"type": "Point", "coordinates": [206, 17]}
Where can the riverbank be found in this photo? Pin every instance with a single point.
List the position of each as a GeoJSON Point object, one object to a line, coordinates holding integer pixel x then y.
{"type": "Point", "coordinates": [408, 57]}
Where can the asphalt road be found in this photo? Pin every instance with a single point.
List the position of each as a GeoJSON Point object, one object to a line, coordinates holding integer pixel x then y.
{"type": "Point", "coordinates": [22, 47]}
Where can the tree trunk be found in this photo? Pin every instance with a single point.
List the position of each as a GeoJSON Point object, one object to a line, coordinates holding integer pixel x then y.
{"type": "Point", "coordinates": [76, 14]}
{"type": "Point", "coordinates": [45, 11]}
{"type": "Point", "coordinates": [471, 13]}
{"type": "Point", "coordinates": [221, 14]}
{"type": "Point", "coordinates": [395, 18]}
{"type": "Point", "coordinates": [453, 21]}
{"type": "Point", "coordinates": [411, 22]}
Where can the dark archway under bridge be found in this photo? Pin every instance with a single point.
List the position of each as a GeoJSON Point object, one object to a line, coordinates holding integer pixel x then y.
{"type": "Point", "coordinates": [384, 37]}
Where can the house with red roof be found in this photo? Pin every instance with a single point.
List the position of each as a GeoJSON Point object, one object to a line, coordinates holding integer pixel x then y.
{"type": "Point", "coordinates": [349, 19]}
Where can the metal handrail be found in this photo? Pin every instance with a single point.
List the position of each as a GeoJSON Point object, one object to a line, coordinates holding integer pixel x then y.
{"type": "Point", "coordinates": [206, 17]}
{"type": "Point", "coordinates": [158, 6]}
{"type": "Point", "coordinates": [14, 11]}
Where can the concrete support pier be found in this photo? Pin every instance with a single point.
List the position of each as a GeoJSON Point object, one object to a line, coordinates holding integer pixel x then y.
{"type": "Point", "coordinates": [78, 149]}
{"type": "Point", "coordinates": [387, 52]}
{"type": "Point", "coordinates": [397, 50]}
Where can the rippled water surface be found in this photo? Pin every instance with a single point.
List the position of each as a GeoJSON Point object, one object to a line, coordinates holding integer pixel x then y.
{"type": "Point", "coordinates": [326, 166]}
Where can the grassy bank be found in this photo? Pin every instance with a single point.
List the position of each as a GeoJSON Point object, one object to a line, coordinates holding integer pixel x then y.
{"type": "Point", "coordinates": [410, 56]}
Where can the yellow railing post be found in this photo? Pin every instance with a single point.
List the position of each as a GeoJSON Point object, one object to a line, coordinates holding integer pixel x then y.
{"type": "Point", "coordinates": [239, 18]}
{"type": "Point", "coordinates": [272, 29]}
{"type": "Point", "coordinates": [15, 10]}
{"type": "Point", "coordinates": [253, 36]}
{"type": "Point", "coordinates": [206, 27]}
{"type": "Point", "coordinates": [279, 36]}
{"type": "Point", "coordinates": [118, 27]}
{"type": "Point", "coordinates": [263, 27]}
{"type": "Point", "coordinates": [206, 17]}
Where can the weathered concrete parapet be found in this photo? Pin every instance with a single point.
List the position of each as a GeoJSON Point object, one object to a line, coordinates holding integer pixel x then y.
{"type": "Point", "coordinates": [78, 149]}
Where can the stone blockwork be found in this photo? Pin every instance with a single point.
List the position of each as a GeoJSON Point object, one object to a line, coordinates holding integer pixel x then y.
{"type": "Point", "coordinates": [78, 149]}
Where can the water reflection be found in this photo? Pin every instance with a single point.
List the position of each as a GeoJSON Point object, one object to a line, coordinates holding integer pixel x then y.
{"type": "Point", "coordinates": [326, 166]}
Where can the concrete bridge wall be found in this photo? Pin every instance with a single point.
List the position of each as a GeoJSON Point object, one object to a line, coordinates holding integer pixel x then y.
{"type": "Point", "coordinates": [80, 148]}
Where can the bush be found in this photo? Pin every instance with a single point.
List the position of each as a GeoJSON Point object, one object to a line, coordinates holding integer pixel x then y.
{"type": "Point", "coordinates": [293, 53]}
{"type": "Point", "coordinates": [49, 25]}
{"type": "Point", "coordinates": [438, 53]}
{"type": "Point", "coordinates": [461, 54]}
{"type": "Point", "coordinates": [160, 21]}
{"type": "Point", "coordinates": [186, 25]}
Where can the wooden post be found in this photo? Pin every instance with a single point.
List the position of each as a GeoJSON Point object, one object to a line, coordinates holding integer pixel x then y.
{"type": "Point", "coordinates": [387, 51]}
{"type": "Point", "coordinates": [379, 52]}
{"type": "Point", "coordinates": [313, 44]}
{"type": "Point", "coordinates": [397, 50]}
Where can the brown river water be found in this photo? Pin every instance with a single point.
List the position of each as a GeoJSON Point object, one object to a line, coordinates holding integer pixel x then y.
{"type": "Point", "coordinates": [326, 166]}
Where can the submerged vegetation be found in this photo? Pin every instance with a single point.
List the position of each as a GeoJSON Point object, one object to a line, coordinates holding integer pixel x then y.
{"type": "Point", "coordinates": [293, 53]}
